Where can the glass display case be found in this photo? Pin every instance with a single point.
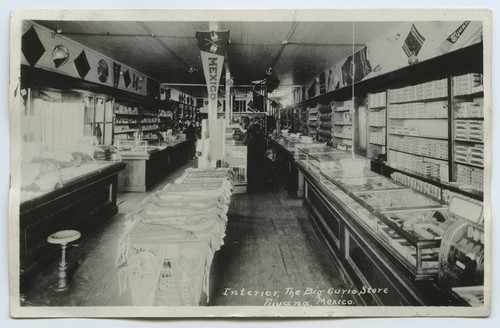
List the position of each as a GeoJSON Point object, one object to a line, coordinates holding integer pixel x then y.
{"type": "Point", "coordinates": [125, 147]}
{"type": "Point", "coordinates": [46, 171]}
{"type": "Point", "coordinates": [317, 161]}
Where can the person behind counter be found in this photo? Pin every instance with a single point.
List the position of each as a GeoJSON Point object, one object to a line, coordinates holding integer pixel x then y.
{"type": "Point", "coordinates": [191, 138]}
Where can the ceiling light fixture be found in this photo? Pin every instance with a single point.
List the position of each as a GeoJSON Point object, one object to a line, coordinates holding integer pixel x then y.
{"type": "Point", "coordinates": [269, 71]}
{"type": "Point", "coordinates": [192, 70]}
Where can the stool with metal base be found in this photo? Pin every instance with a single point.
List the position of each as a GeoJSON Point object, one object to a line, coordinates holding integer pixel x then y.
{"type": "Point", "coordinates": [63, 238]}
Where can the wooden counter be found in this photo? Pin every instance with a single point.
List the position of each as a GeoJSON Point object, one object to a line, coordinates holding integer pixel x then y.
{"type": "Point", "coordinates": [144, 170]}
{"type": "Point", "coordinates": [81, 204]}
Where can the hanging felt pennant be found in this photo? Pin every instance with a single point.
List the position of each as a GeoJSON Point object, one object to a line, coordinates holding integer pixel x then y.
{"type": "Point", "coordinates": [213, 46]}
{"type": "Point", "coordinates": [116, 74]}
{"type": "Point", "coordinates": [453, 38]}
{"type": "Point", "coordinates": [413, 42]}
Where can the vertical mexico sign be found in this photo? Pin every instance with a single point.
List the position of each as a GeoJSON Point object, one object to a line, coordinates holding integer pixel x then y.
{"type": "Point", "coordinates": [213, 46]}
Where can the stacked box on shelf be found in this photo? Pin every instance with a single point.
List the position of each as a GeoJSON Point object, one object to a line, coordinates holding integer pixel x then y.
{"type": "Point", "coordinates": [377, 137]}
{"type": "Point", "coordinates": [467, 84]}
{"type": "Point", "coordinates": [376, 100]}
{"type": "Point", "coordinates": [470, 109]}
{"type": "Point", "coordinates": [428, 90]}
{"type": "Point", "coordinates": [377, 118]}
{"type": "Point", "coordinates": [470, 154]}
{"type": "Point", "coordinates": [469, 130]}
{"type": "Point", "coordinates": [470, 176]}
{"type": "Point", "coordinates": [424, 147]}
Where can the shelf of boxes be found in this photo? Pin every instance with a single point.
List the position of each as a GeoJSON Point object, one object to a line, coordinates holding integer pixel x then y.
{"type": "Point", "coordinates": [468, 84]}
{"type": "Point", "coordinates": [325, 123]}
{"type": "Point", "coordinates": [468, 130]}
{"type": "Point", "coordinates": [377, 121]}
{"type": "Point", "coordinates": [437, 149]}
{"type": "Point", "coordinates": [426, 167]}
{"type": "Point", "coordinates": [418, 131]}
{"type": "Point", "coordinates": [427, 91]}
{"type": "Point", "coordinates": [343, 129]}
{"type": "Point", "coordinates": [312, 120]}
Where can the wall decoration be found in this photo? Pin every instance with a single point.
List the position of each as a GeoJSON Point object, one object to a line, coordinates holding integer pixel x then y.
{"type": "Point", "coordinates": [31, 46]}
{"type": "Point", "coordinates": [60, 55]}
{"type": "Point", "coordinates": [126, 78]}
{"type": "Point", "coordinates": [102, 71]}
{"type": "Point", "coordinates": [453, 38]}
{"type": "Point", "coordinates": [361, 67]}
{"type": "Point", "coordinates": [82, 64]}
{"type": "Point", "coordinates": [116, 74]}
{"type": "Point", "coordinates": [413, 42]}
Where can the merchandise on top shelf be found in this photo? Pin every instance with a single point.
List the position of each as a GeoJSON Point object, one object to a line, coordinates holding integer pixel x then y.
{"type": "Point", "coordinates": [467, 84]}
{"type": "Point", "coordinates": [377, 100]}
{"type": "Point", "coordinates": [424, 91]}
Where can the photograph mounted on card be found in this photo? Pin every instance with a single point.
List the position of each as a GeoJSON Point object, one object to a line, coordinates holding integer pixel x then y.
{"type": "Point", "coordinates": [256, 163]}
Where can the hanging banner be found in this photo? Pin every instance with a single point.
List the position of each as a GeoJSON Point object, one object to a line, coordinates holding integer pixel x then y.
{"type": "Point", "coordinates": [213, 46]}
{"type": "Point", "coordinates": [453, 38]}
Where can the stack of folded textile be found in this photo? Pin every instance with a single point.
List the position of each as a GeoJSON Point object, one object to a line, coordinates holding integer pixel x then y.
{"type": "Point", "coordinates": [168, 245]}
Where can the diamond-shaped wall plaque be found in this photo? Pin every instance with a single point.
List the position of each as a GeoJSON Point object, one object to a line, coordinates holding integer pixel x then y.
{"type": "Point", "coordinates": [82, 64]}
{"type": "Point", "coordinates": [31, 46]}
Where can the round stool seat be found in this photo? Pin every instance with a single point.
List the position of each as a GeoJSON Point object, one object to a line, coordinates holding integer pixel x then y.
{"type": "Point", "coordinates": [63, 237]}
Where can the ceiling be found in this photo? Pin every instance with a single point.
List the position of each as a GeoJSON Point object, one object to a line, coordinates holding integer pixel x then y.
{"type": "Point", "coordinates": [165, 50]}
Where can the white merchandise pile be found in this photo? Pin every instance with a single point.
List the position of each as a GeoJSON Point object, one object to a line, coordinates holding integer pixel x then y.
{"type": "Point", "coordinates": [166, 250]}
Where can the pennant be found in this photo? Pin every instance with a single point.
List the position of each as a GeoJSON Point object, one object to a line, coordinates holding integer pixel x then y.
{"type": "Point", "coordinates": [453, 38]}
{"type": "Point", "coordinates": [213, 46]}
{"type": "Point", "coordinates": [31, 46]}
{"type": "Point", "coordinates": [413, 42]}
{"type": "Point", "coordinates": [116, 74]}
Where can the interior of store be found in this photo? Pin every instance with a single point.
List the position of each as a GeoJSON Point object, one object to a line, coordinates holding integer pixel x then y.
{"type": "Point", "coordinates": [248, 163]}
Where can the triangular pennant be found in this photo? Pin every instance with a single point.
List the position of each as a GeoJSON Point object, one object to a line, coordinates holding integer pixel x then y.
{"type": "Point", "coordinates": [31, 46]}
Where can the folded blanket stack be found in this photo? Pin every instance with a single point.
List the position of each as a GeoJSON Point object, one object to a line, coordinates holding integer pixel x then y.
{"type": "Point", "coordinates": [168, 244]}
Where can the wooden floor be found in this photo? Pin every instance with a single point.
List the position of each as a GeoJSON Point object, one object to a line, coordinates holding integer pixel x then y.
{"type": "Point", "coordinates": [270, 248]}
